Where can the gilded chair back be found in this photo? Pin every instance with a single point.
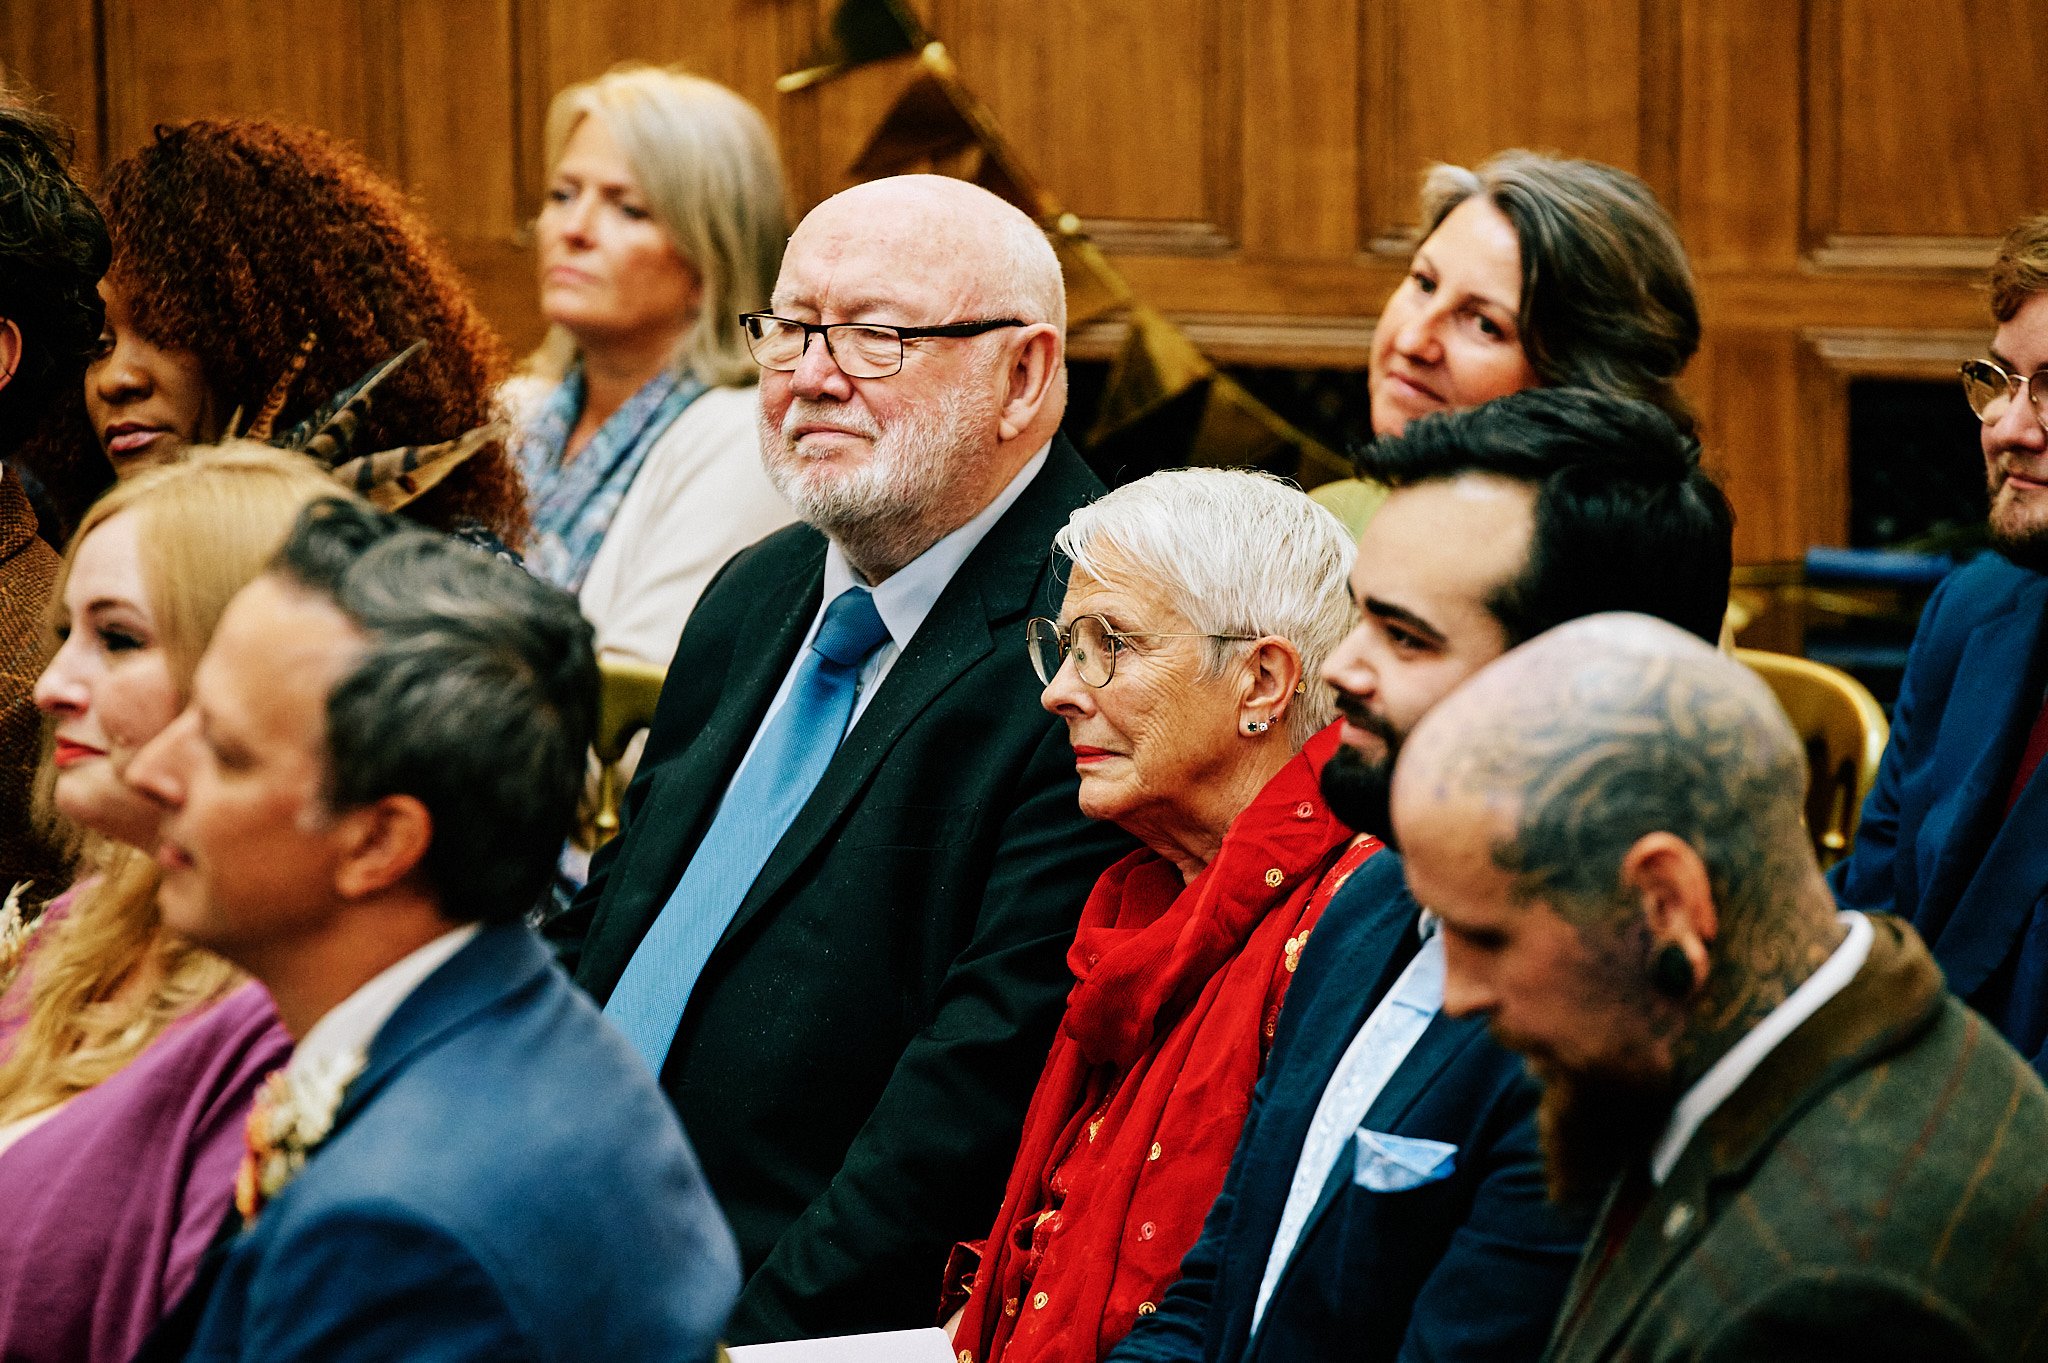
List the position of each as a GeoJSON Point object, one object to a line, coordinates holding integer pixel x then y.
{"type": "Point", "coordinates": [625, 705]}
{"type": "Point", "coordinates": [1844, 730]}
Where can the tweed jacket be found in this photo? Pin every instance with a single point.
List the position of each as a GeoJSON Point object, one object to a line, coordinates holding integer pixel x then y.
{"type": "Point", "coordinates": [1877, 1189]}
{"type": "Point", "coordinates": [28, 569]}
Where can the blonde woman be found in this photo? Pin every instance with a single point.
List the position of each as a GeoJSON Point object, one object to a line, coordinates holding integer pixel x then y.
{"type": "Point", "coordinates": [128, 1059]}
{"type": "Point", "coordinates": [664, 220]}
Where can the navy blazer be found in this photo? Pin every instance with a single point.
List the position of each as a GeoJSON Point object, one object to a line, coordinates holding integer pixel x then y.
{"type": "Point", "coordinates": [504, 1181]}
{"type": "Point", "coordinates": [1935, 845]}
{"type": "Point", "coordinates": [1471, 1266]}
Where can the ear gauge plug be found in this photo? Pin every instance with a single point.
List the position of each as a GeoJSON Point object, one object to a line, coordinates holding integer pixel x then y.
{"type": "Point", "coordinates": [1671, 973]}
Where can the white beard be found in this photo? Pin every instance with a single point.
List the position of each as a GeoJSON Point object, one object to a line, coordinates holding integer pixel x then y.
{"type": "Point", "coordinates": [883, 513]}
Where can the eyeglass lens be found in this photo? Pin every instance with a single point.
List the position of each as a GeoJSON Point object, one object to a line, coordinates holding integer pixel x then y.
{"type": "Point", "coordinates": [863, 352]}
{"type": "Point", "coordinates": [1086, 639]}
{"type": "Point", "coordinates": [1989, 388]}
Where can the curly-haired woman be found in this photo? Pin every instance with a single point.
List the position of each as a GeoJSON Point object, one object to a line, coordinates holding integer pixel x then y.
{"type": "Point", "coordinates": [258, 270]}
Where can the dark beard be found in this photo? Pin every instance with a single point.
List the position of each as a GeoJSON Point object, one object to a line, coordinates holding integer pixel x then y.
{"type": "Point", "coordinates": [1594, 1129]}
{"type": "Point", "coordinates": [2028, 548]}
{"type": "Point", "coordinates": [1358, 790]}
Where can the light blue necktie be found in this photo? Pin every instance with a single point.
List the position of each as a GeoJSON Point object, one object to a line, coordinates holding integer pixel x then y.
{"type": "Point", "coordinates": [759, 806]}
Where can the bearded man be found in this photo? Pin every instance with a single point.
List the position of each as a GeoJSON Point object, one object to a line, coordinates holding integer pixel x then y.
{"type": "Point", "coordinates": [836, 920]}
{"type": "Point", "coordinates": [1950, 834]}
{"type": "Point", "coordinates": [1385, 1203]}
{"type": "Point", "coordinates": [1815, 1151]}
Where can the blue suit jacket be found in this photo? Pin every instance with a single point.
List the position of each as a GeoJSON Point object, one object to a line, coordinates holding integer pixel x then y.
{"type": "Point", "coordinates": [1935, 845]}
{"type": "Point", "coordinates": [504, 1181]}
{"type": "Point", "coordinates": [1472, 1266]}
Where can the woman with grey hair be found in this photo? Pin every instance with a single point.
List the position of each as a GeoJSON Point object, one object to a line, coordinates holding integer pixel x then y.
{"type": "Point", "coordinates": [1199, 604]}
{"type": "Point", "coordinates": [664, 220]}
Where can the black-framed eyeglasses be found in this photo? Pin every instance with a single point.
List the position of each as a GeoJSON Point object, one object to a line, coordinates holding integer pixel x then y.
{"type": "Point", "coordinates": [1093, 645]}
{"type": "Point", "coordinates": [1991, 387]}
{"type": "Point", "coordinates": [862, 350]}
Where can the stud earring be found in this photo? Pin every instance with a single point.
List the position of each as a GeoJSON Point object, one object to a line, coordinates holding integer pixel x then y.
{"type": "Point", "coordinates": [1257, 726]}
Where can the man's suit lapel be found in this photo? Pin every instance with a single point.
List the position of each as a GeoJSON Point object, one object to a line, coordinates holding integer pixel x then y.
{"type": "Point", "coordinates": [1998, 680]}
{"type": "Point", "coordinates": [1359, 941]}
{"type": "Point", "coordinates": [1438, 1045]}
{"type": "Point", "coordinates": [684, 792]}
{"type": "Point", "coordinates": [995, 588]}
{"type": "Point", "coordinates": [498, 962]}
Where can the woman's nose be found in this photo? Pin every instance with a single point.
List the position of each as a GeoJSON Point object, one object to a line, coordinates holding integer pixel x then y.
{"type": "Point", "coordinates": [1066, 694]}
{"type": "Point", "coordinates": [1421, 335]}
{"type": "Point", "coordinates": [119, 378]}
{"type": "Point", "coordinates": [60, 690]}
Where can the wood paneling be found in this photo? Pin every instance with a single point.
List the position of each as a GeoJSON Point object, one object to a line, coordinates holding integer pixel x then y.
{"type": "Point", "coordinates": [1919, 125]}
{"type": "Point", "coordinates": [1457, 80]}
{"type": "Point", "coordinates": [50, 48]}
{"type": "Point", "coordinates": [1837, 167]}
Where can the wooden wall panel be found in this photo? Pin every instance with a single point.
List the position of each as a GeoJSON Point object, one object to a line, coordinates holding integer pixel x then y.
{"type": "Point", "coordinates": [1928, 129]}
{"type": "Point", "coordinates": [305, 61]}
{"type": "Point", "coordinates": [50, 48]}
{"type": "Point", "coordinates": [1456, 80]}
{"type": "Point", "coordinates": [1837, 167]}
{"type": "Point", "coordinates": [1144, 153]}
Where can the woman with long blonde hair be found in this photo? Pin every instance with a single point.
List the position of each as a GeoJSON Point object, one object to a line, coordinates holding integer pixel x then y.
{"type": "Point", "coordinates": [128, 1058]}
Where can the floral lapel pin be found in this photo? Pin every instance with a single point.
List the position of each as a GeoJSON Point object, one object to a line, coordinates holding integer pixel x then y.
{"type": "Point", "coordinates": [293, 1113]}
{"type": "Point", "coordinates": [16, 927]}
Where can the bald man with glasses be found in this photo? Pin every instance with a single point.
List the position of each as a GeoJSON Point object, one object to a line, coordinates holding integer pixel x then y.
{"type": "Point", "coordinates": [1951, 835]}
{"type": "Point", "coordinates": [836, 921]}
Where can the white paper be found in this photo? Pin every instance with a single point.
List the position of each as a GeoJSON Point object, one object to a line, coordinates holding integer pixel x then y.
{"type": "Point", "coordinates": [891, 1346]}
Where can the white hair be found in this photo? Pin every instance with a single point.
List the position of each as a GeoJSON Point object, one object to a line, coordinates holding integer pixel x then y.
{"type": "Point", "coordinates": [1237, 552]}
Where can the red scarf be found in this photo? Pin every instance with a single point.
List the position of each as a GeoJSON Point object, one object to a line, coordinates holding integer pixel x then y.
{"type": "Point", "coordinates": [1135, 1117]}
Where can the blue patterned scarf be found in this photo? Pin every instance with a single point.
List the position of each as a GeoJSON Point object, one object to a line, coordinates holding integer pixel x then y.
{"type": "Point", "coordinates": [573, 504]}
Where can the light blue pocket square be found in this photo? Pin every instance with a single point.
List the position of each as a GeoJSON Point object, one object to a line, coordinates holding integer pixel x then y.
{"type": "Point", "coordinates": [1394, 1164]}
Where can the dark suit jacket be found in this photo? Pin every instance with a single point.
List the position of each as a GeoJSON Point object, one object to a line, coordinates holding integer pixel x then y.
{"type": "Point", "coordinates": [1472, 1266]}
{"type": "Point", "coordinates": [1934, 844]}
{"type": "Point", "coordinates": [1877, 1189]}
{"type": "Point", "coordinates": [503, 1182]}
{"type": "Point", "coordinates": [856, 1058]}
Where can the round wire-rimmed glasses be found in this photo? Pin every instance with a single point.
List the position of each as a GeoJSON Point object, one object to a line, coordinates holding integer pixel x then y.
{"type": "Point", "coordinates": [1990, 387]}
{"type": "Point", "coordinates": [862, 350]}
{"type": "Point", "coordinates": [1093, 643]}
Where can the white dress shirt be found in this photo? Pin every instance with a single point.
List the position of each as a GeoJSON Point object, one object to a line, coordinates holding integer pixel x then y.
{"type": "Point", "coordinates": [903, 599]}
{"type": "Point", "coordinates": [350, 1026]}
{"type": "Point", "coordinates": [1713, 1088]}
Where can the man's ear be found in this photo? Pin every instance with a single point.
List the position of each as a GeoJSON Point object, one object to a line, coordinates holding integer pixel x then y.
{"type": "Point", "coordinates": [10, 350]}
{"type": "Point", "coordinates": [381, 843]}
{"type": "Point", "coordinates": [1031, 378]}
{"type": "Point", "coordinates": [1669, 879]}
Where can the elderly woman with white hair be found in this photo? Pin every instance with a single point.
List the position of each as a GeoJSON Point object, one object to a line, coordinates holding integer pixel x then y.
{"type": "Point", "coordinates": [664, 220]}
{"type": "Point", "coordinates": [1201, 602]}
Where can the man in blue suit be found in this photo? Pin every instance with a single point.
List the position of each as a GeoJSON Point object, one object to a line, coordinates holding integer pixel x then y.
{"type": "Point", "coordinates": [1951, 834]}
{"type": "Point", "coordinates": [1387, 1197]}
{"type": "Point", "coordinates": [463, 1160]}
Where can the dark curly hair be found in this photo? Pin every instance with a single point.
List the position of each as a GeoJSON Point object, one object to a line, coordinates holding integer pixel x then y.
{"type": "Point", "coordinates": [53, 250]}
{"type": "Point", "coordinates": [236, 239]}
